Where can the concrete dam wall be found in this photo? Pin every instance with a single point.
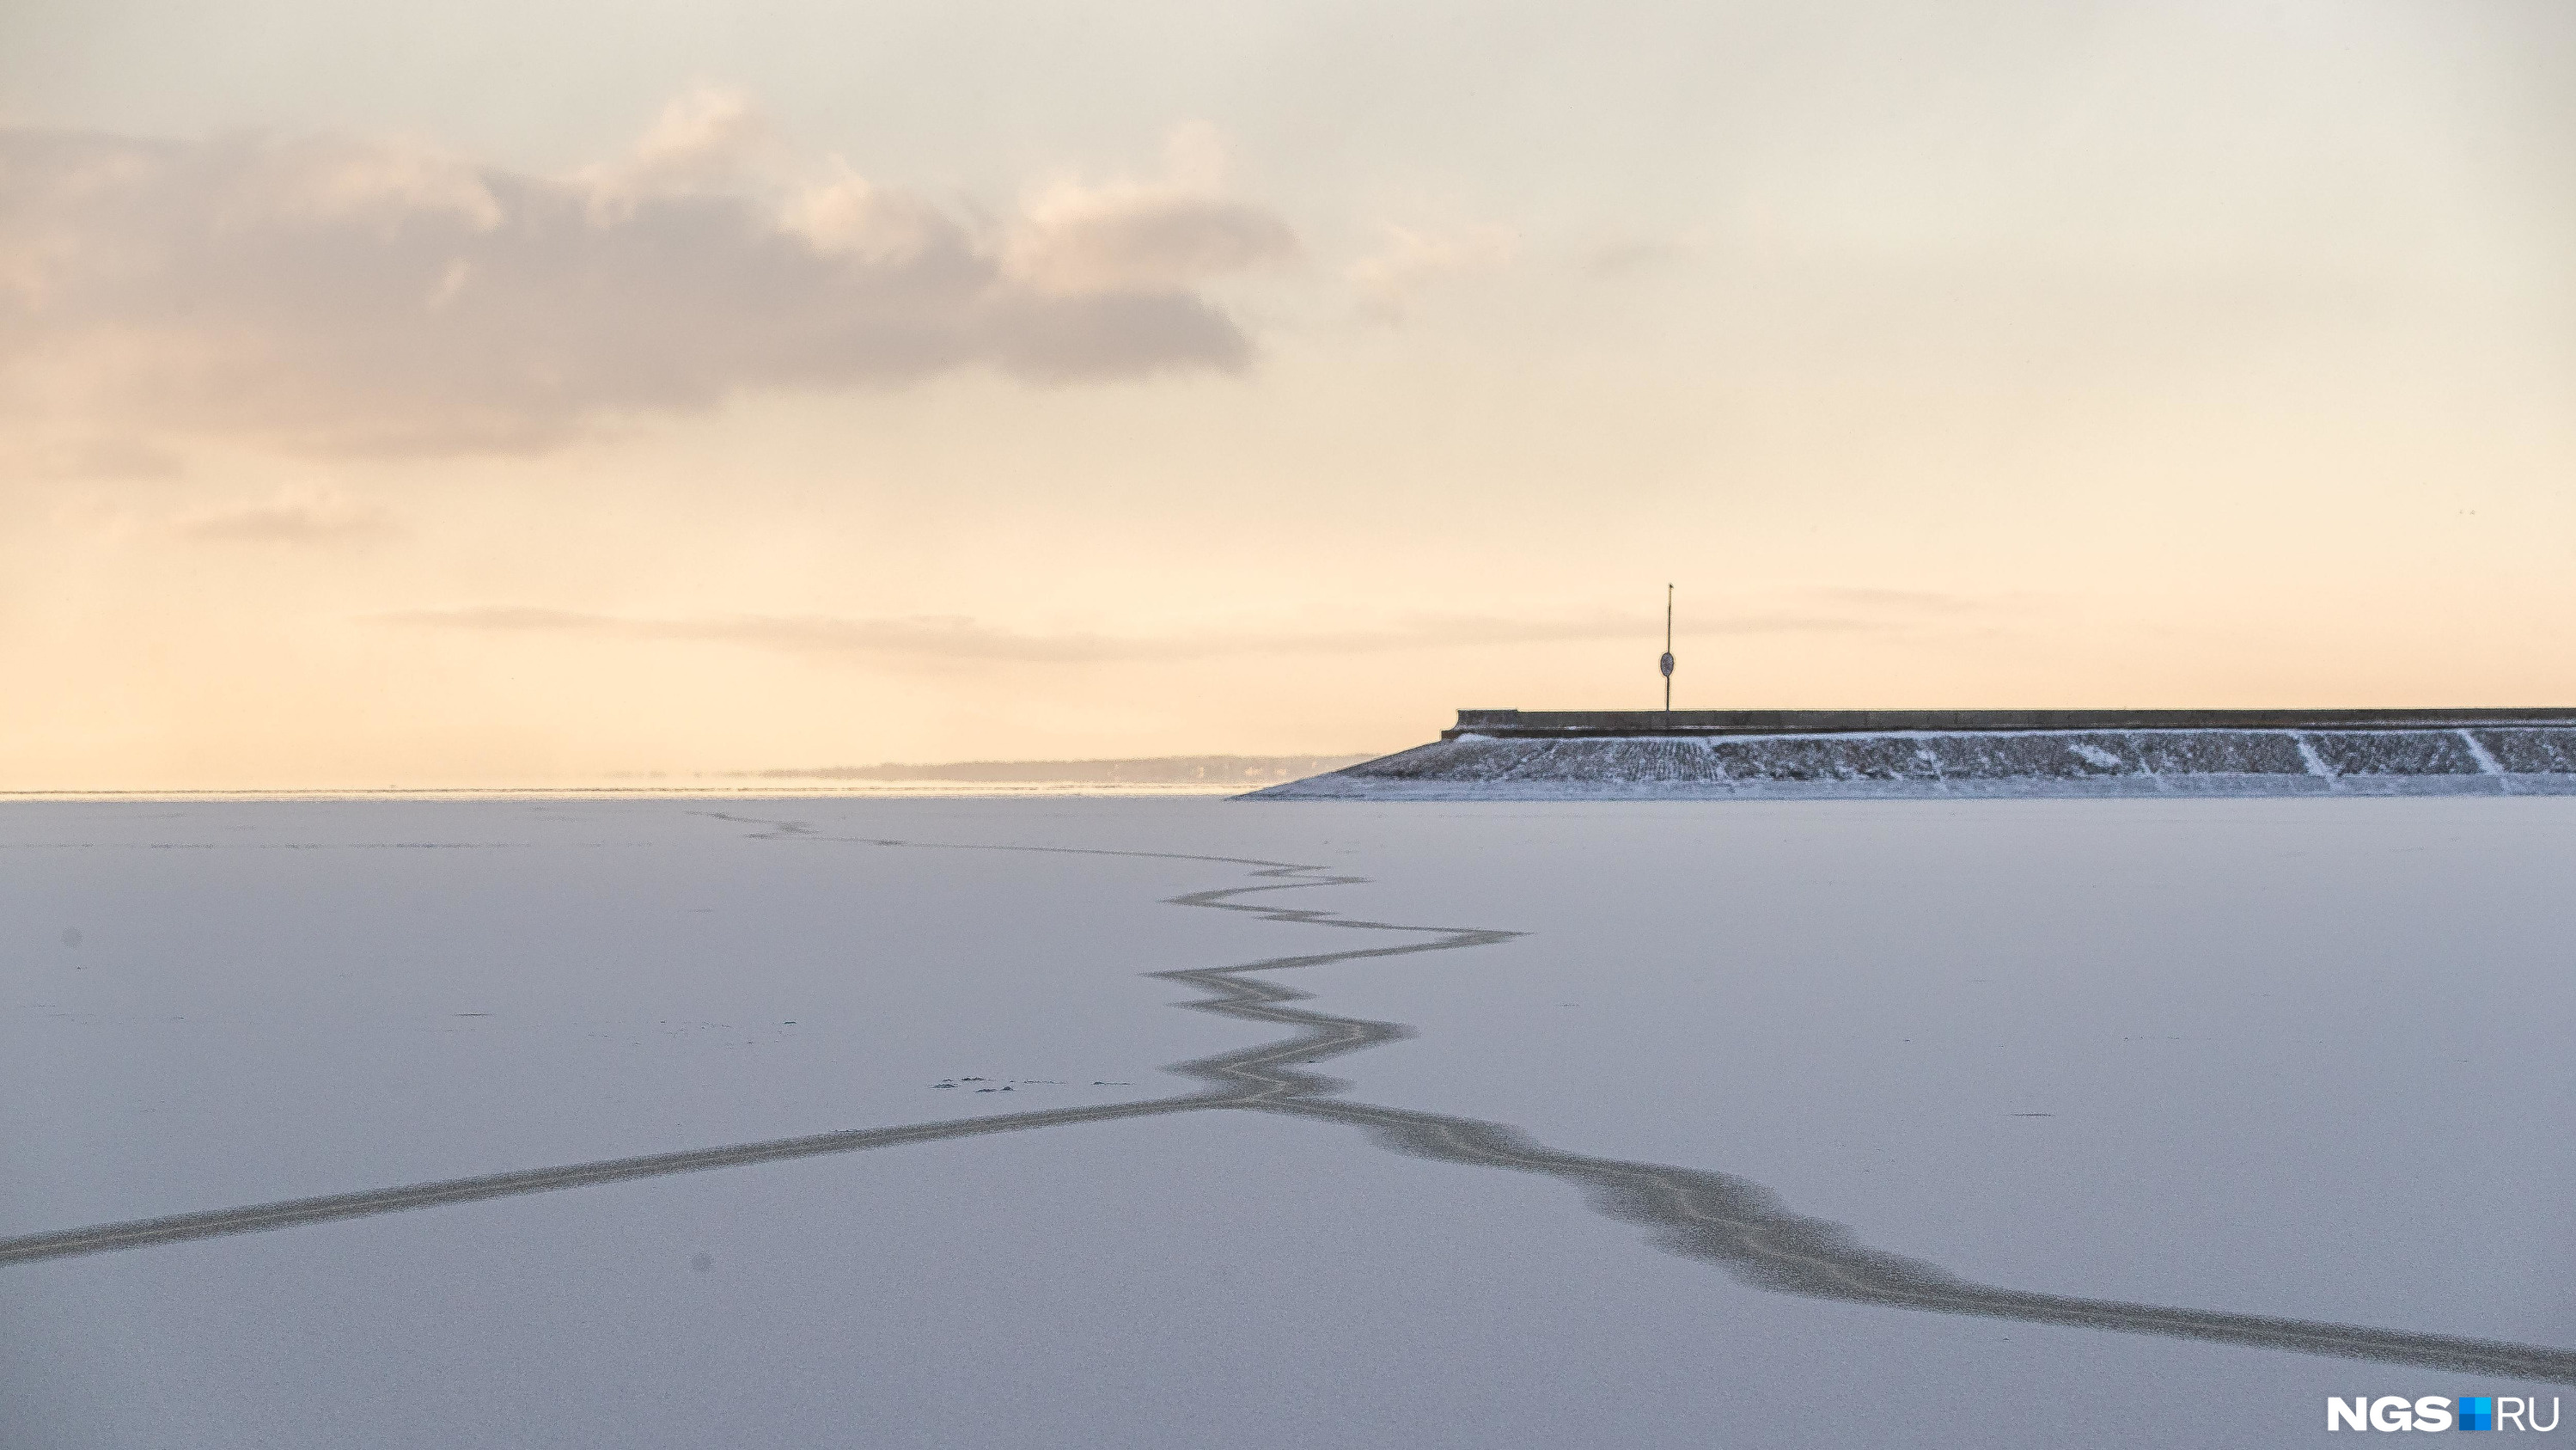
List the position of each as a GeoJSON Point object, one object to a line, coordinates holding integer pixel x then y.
{"type": "Point", "coordinates": [1516, 755]}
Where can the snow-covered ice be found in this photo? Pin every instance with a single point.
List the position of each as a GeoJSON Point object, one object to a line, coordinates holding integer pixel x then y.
{"type": "Point", "coordinates": [2299, 1058]}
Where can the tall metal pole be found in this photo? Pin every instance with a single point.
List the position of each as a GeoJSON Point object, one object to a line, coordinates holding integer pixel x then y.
{"type": "Point", "coordinates": [1668, 655]}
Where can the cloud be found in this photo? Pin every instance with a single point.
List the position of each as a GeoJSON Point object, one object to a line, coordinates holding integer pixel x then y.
{"type": "Point", "coordinates": [96, 457]}
{"type": "Point", "coordinates": [1411, 262]}
{"type": "Point", "coordinates": [1635, 256]}
{"type": "Point", "coordinates": [960, 640]}
{"type": "Point", "coordinates": [1899, 601]}
{"type": "Point", "coordinates": [1175, 232]}
{"type": "Point", "coordinates": [710, 139]}
{"type": "Point", "coordinates": [342, 295]}
{"type": "Point", "coordinates": [290, 521]}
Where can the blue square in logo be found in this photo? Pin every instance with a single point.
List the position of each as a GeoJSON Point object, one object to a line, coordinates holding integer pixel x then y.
{"type": "Point", "coordinates": [2477, 1412]}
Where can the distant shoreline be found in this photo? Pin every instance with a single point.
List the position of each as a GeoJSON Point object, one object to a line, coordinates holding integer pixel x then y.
{"type": "Point", "coordinates": [1143, 775]}
{"type": "Point", "coordinates": [1177, 770]}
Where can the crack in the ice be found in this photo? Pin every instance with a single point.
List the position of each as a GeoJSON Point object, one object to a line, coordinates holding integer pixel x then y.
{"type": "Point", "coordinates": [1697, 1213]}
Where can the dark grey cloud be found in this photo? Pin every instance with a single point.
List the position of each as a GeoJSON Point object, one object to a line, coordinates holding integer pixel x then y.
{"type": "Point", "coordinates": [1634, 256]}
{"type": "Point", "coordinates": [349, 296]}
{"type": "Point", "coordinates": [958, 639]}
{"type": "Point", "coordinates": [290, 521]}
{"type": "Point", "coordinates": [95, 457]}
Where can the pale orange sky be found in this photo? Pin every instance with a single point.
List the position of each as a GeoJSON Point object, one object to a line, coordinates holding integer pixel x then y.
{"type": "Point", "coordinates": [451, 398]}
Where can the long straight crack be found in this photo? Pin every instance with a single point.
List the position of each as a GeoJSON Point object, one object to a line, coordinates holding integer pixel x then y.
{"type": "Point", "coordinates": [1718, 1218]}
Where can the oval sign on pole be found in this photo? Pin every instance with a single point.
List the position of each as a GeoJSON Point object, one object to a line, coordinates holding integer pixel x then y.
{"type": "Point", "coordinates": [1668, 651]}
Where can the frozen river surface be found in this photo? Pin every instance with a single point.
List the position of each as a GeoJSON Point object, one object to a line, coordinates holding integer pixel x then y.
{"type": "Point", "coordinates": [1827, 1123]}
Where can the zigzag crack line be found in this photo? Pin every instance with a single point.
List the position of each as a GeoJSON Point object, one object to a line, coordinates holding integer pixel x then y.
{"type": "Point", "coordinates": [1732, 1222]}
{"type": "Point", "coordinates": [1741, 1226]}
{"type": "Point", "coordinates": [179, 1228]}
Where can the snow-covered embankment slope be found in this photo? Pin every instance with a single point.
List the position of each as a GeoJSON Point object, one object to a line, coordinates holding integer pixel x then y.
{"type": "Point", "coordinates": [2533, 759]}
